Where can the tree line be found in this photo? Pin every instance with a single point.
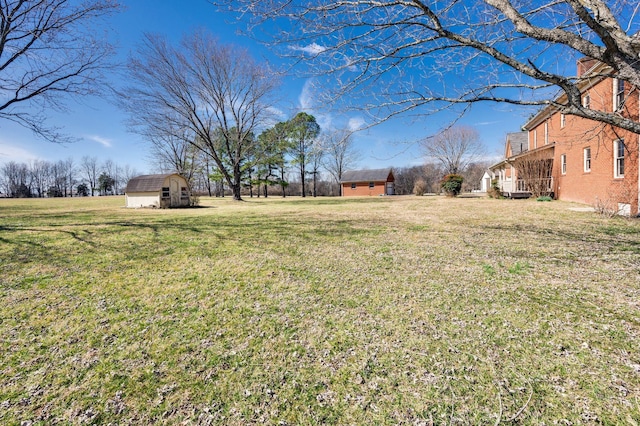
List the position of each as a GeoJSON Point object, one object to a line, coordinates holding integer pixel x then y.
{"type": "Point", "coordinates": [64, 178]}
{"type": "Point", "coordinates": [207, 105]}
{"type": "Point", "coordinates": [290, 157]}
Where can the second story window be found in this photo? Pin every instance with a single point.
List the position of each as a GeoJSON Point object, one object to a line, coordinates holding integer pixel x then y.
{"type": "Point", "coordinates": [563, 121]}
{"type": "Point", "coordinates": [546, 132]}
{"type": "Point", "coordinates": [619, 94]}
{"type": "Point", "coordinates": [586, 101]}
{"type": "Point", "coordinates": [563, 163]}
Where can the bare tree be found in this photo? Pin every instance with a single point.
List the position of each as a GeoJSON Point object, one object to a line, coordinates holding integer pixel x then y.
{"type": "Point", "coordinates": [91, 171]}
{"type": "Point", "coordinates": [316, 158]}
{"type": "Point", "coordinates": [340, 153]}
{"type": "Point", "coordinates": [216, 92]}
{"type": "Point", "coordinates": [40, 171]}
{"type": "Point", "coordinates": [48, 51]}
{"type": "Point", "coordinates": [15, 180]}
{"type": "Point", "coordinates": [396, 56]}
{"type": "Point", "coordinates": [176, 154]}
{"type": "Point", "coordinates": [534, 172]}
{"type": "Point", "coordinates": [455, 148]}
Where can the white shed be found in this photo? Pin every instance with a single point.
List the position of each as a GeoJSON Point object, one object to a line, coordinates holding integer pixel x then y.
{"type": "Point", "coordinates": [485, 184]}
{"type": "Point", "coordinates": [163, 191]}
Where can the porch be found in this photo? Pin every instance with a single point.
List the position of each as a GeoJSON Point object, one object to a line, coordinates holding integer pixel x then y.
{"type": "Point", "coordinates": [524, 188]}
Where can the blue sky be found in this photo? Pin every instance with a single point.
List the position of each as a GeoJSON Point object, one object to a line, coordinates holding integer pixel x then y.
{"type": "Point", "coordinates": [101, 130]}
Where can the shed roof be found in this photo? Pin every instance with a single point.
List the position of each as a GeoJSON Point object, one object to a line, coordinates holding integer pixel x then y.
{"type": "Point", "coordinates": [148, 183]}
{"type": "Point", "coordinates": [372, 175]}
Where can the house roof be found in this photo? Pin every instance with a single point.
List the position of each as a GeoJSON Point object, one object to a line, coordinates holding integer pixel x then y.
{"type": "Point", "coordinates": [372, 175]}
{"type": "Point", "coordinates": [519, 142]}
{"type": "Point", "coordinates": [147, 183]}
{"type": "Point", "coordinates": [595, 73]}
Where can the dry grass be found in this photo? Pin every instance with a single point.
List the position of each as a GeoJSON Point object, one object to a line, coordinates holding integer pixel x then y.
{"type": "Point", "coordinates": [400, 310]}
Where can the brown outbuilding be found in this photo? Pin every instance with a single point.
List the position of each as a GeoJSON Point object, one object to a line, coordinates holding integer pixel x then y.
{"type": "Point", "coordinates": [368, 182]}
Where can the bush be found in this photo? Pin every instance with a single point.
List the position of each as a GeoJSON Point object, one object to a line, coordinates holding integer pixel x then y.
{"type": "Point", "coordinates": [494, 191]}
{"type": "Point", "coordinates": [544, 198]}
{"type": "Point", "coordinates": [451, 184]}
{"type": "Point", "coordinates": [419, 187]}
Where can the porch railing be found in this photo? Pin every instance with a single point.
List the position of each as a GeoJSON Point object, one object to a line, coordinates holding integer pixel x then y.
{"type": "Point", "coordinates": [544, 185]}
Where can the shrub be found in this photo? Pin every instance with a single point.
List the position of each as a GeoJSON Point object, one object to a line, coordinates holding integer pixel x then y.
{"type": "Point", "coordinates": [419, 187]}
{"type": "Point", "coordinates": [451, 184]}
{"type": "Point", "coordinates": [544, 198]}
{"type": "Point", "coordinates": [494, 191]}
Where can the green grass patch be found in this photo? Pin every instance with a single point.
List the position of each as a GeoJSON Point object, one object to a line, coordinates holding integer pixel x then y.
{"type": "Point", "coordinates": [394, 310]}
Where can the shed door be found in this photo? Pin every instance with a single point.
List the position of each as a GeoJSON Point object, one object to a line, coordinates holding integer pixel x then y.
{"type": "Point", "coordinates": [390, 188]}
{"type": "Point", "coordinates": [175, 193]}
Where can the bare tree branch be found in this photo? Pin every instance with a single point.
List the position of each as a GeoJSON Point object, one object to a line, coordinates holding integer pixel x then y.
{"type": "Point", "coordinates": [49, 51]}
{"type": "Point", "coordinates": [395, 56]}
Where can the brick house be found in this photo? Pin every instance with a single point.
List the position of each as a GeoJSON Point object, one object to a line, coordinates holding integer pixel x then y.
{"type": "Point", "coordinates": [368, 182]}
{"type": "Point", "coordinates": [578, 159]}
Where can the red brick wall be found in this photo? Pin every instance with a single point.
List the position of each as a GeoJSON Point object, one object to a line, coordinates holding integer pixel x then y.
{"type": "Point", "coordinates": [362, 189]}
{"type": "Point", "coordinates": [577, 134]}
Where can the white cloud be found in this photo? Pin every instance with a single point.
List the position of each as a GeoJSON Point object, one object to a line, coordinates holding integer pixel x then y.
{"type": "Point", "coordinates": [14, 153]}
{"type": "Point", "coordinates": [356, 123]}
{"type": "Point", "coordinates": [305, 100]}
{"type": "Point", "coordinates": [102, 141]}
{"type": "Point", "coordinates": [311, 49]}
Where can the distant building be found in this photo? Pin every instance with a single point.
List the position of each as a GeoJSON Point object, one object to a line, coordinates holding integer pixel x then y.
{"type": "Point", "coordinates": [161, 191]}
{"type": "Point", "coordinates": [368, 182]}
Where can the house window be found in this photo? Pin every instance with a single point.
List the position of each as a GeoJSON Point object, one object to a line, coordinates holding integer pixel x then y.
{"type": "Point", "coordinates": [586, 101]}
{"type": "Point", "coordinates": [546, 132]}
{"type": "Point", "coordinates": [619, 94]}
{"type": "Point", "coordinates": [535, 138]}
{"type": "Point", "coordinates": [165, 192]}
{"type": "Point", "coordinates": [563, 121]}
{"type": "Point", "coordinates": [587, 159]}
{"type": "Point", "coordinates": [353, 186]}
{"type": "Point", "coordinates": [371, 185]}
{"type": "Point", "coordinates": [563, 163]}
{"type": "Point", "coordinates": [618, 158]}
{"type": "Point", "coordinates": [183, 192]}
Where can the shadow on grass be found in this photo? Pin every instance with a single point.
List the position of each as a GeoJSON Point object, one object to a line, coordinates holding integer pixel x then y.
{"type": "Point", "coordinates": [614, 238]}
{"type": "Point", "coordinates": [145, 240]}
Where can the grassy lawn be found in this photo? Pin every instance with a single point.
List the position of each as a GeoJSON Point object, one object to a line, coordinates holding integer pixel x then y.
{"type": "Point", "coordinates": [399, 310]}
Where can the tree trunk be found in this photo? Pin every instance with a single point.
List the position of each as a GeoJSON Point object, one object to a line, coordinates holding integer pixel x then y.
{"type": "Point", "coordinates": [302, 179]}
{"type": "Point", "coordinates": [237, 185]}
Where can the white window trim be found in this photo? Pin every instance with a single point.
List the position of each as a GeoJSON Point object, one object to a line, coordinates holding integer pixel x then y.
{"type": "Point", "coordinates": [535, 138]}
{"type": "Point", "coordinates": [546, 132]}
{"type": "Point", "coordinates": [563, 164]}
{"type": "Point", "coordinates": [616, 173]}
{"type": "Point", "coordinates": [563, 120]}
{"type": "Point", "coordinates": [587, 169]}
{"type": "Point", "coordinates": [616, 103]}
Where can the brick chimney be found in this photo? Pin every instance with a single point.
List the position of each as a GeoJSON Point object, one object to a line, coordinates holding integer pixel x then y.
{"type": "Point", "coordinates": [585, 64]}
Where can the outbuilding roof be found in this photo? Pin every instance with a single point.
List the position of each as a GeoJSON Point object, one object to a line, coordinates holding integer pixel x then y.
{"type": "Point", "coordinates": [372, 175]}
{"type": "Point", "coordinates": [147, 183]}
